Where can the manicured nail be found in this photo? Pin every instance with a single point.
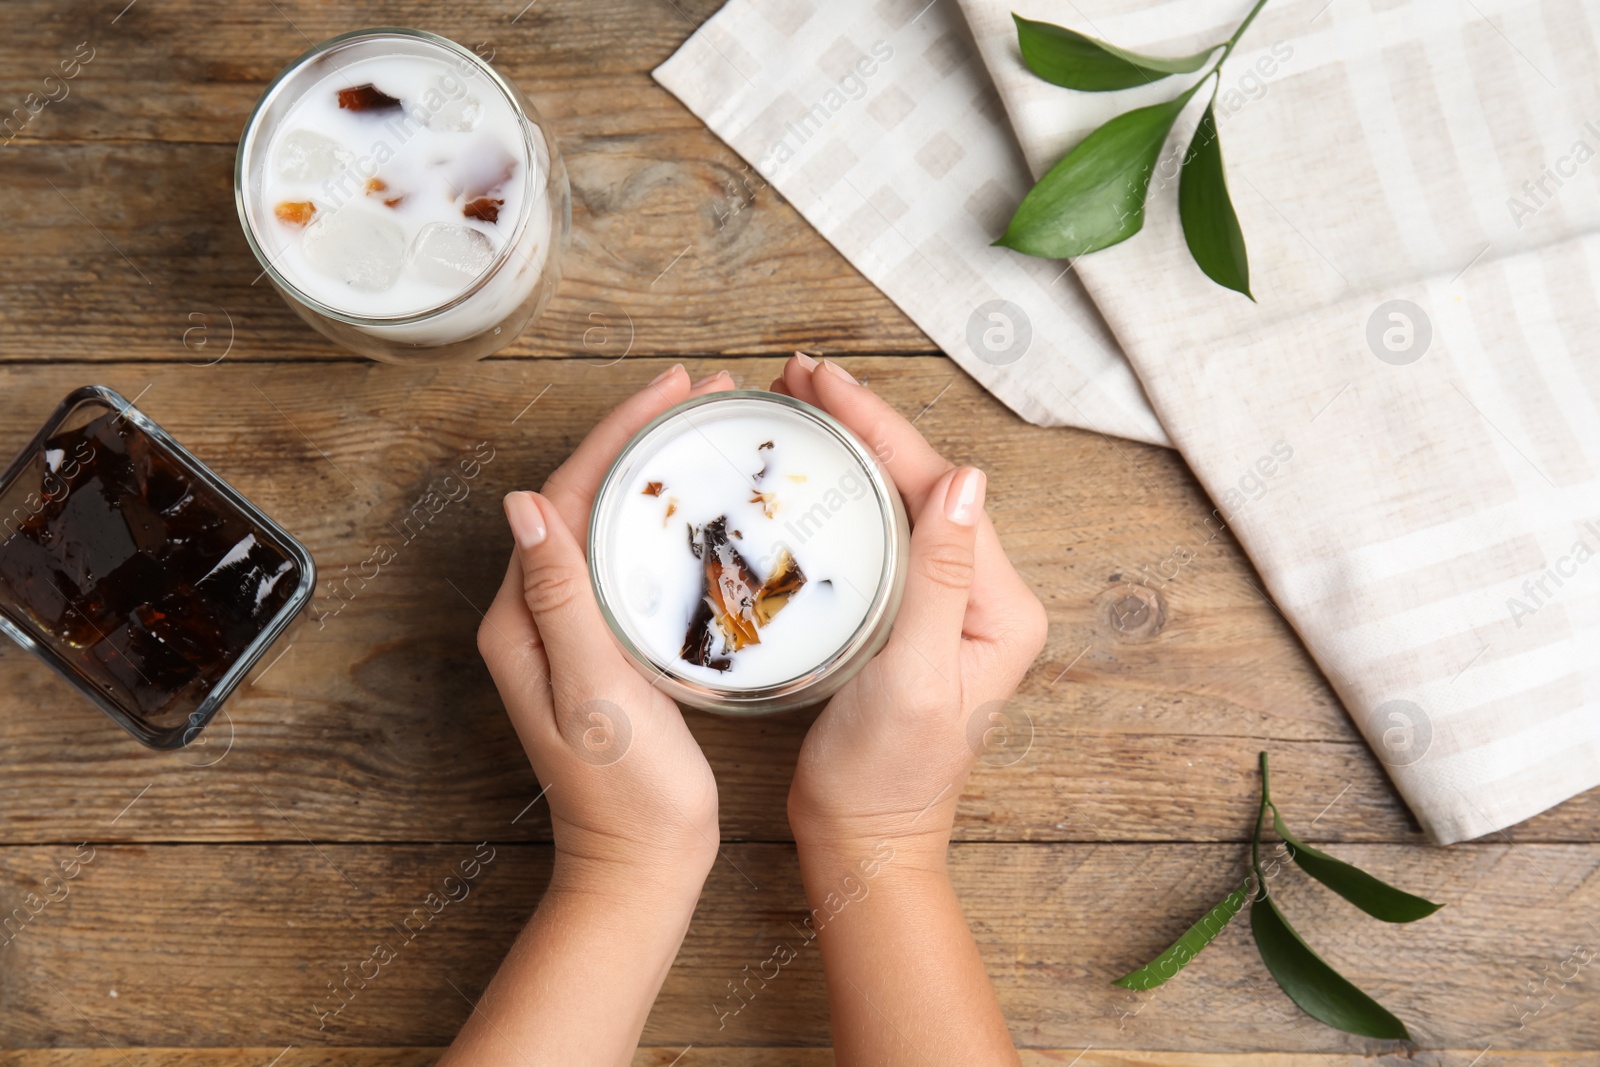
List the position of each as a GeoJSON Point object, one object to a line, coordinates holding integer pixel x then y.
{"type": "Point", "coordinates": [963, 502]}
{"type": "Point", "coordinates": [708, 379]}
{"type": "Point", "coordinates": [830, 365]}
{"type": "Point", "coordinates": [805, 361]}
{"type": "Point", "coordinates": [527, 522]}
{"type": "Point", "coordinates": [664, 375]}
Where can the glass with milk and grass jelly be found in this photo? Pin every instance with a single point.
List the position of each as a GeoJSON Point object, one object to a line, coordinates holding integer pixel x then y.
{"type": "Point", "coordinates": [748, 552]}
{"type": "Point", "coordinates": [404, 198]}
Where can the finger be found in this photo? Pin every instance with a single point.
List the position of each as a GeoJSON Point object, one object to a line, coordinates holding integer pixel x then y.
{"type": "Point", "coordinates": [713, 383]}
{"type": "Point", "coordinates": [912, 462]}
{"type": "Point", "coordinates": [927, 632]}
{"type": "Point", "coordinates": [778, 386]}
{"type": "Point", "coordinates": [797, 377]}
{"type": "Point", "coordinates": [556, 590]}
{"type": "Point", "coordinates": [916, 470]}
{"type": "Point", "coordinates": [572, 486]}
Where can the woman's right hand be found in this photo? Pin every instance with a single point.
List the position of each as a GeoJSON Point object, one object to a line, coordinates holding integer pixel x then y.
{"type": "Point", "coordinates": [887, 759]}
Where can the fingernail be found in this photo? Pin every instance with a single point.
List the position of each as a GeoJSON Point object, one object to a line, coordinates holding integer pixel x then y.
{"type": "Point", "coordinates": [664, 375]}
{"type": "Point", "coordinates": [708, 379]}
{"type": "Point", "coordinates": [830, 365]}
{"type": "Point", "coordinates": [805, 361]}
{"type": "Point", "coordinates": [527, 522]}
{"type": "Point", "coordinates": [963, 502]}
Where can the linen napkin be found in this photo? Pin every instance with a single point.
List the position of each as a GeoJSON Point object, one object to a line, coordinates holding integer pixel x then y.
{"type": "Point", "coordinates": [881, 126]}
{"type": "Point", "coordinates": [1405, 433]}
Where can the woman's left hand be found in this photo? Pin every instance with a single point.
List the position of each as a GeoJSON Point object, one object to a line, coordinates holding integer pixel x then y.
{"type": "Point", "coordinates": [631, 797]}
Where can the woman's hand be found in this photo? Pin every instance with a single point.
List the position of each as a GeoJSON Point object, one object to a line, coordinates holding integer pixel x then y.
{"type": "Point", "coordinates": [630, 793]}
{"type": "Point", "coordinates": [632, 801]}
{"type": "Point", "coordinates": [887, 758]}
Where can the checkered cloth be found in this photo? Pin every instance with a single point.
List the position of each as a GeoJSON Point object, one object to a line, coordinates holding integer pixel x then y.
{"type": "Point", "coordinates": [1404, 433]}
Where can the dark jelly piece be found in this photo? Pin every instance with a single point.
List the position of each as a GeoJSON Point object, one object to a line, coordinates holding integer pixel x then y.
{"type": "Point", "coordinates": [697, 641]}
{"type": "Point", "coordinates": [35, 583]}
{"type": "Point", "coordinates": [784, 582]}
{"type": "Point", "coordinates": [89, 536]}
{"type": "Point", "coordinates": [484, 209]}
{"type": "Point", "coordinates": [248, 584]}
{"type": "Point", "coordinates": [730, 585]}
{"type": "Point", "coordinates": [366, 98]}
{"type": "Point", "coordinates": [183, 625]}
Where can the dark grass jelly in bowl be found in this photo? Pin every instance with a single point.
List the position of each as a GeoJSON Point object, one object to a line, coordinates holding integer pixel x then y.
{"type": "Point", "coordinates": [138, 574]}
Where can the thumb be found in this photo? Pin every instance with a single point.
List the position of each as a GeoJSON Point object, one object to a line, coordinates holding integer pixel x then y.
{"type": "Point", "coordinates": [555, 585]}
{"type": "Point", "coordinates": [939, 576]}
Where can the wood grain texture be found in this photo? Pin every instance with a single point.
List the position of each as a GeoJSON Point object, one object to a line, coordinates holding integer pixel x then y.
{"type": "Point", "coordinates": [380, 722]}
{"type": "Point", "coordinates": [229, 944]}
{"type": "Point", "coordinates": [122, 240]}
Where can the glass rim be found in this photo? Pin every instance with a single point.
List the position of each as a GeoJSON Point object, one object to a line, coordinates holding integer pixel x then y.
{"type": "Point", "coordinates": [175, 736]}
{"type": "Point", "coordinates": [884, 494]}
{"type": "Point", "coordinates": [524, 216]}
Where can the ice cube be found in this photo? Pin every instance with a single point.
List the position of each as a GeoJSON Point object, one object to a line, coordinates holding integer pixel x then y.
{"type": "Point", "coordinates": [482, 167]}
{"type": "Point", "coordinates": [446, 115]}
{"type": "Point", "coordinates": [644, 592]}
{"type": "Point", "coordinates": [450, 255]}
{"type": "Point", "coordinates": [357, 247]}
{"type": "Point", "coordinates": [310, 157]}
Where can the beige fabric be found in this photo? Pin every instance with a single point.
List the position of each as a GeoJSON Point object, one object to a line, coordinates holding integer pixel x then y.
{"type": "Point", "coordinates": [1433, 535]}
{"type": "Point", "coordinates": [880, 125]}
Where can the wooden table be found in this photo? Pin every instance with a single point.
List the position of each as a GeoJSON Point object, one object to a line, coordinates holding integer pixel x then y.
{"type": "Point", "coordinates": [232, 886]}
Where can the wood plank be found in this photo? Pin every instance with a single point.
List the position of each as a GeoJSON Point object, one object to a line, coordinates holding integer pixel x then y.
{"type": "Point", "coordinates": [383, 725]}
{"type": "Point", "coordinates": [136, 253]}
{"type": "Point", "coordinates": [237, 945]}
{"type": "Point", "coordinates": [122, 241]}
{"type": "Point", "coordinates": [189, 71]}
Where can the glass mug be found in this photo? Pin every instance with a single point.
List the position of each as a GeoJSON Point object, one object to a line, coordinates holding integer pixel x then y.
{"type": "Point", "coordinates": [383, 221]}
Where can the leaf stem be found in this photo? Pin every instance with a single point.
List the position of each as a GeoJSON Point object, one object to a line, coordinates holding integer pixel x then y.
{"type": "Point", "coordinates": [1227, 50]}
{"type": "Point", "coordinates": [1238, 33]}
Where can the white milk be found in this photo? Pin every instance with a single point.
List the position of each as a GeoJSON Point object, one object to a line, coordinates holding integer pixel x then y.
{"type": "Point", "coordinates": [402, 197]}
{"type": "Point", "coordinates": [819, 505]}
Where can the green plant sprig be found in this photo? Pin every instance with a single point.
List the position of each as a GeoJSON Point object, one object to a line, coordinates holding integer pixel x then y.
{"type": "Point", "coordinates": [1094, 197]}
{"type": "Point", "coordinates": [1308, 979]}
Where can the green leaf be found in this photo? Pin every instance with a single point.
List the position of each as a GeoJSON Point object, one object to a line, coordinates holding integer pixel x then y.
{"type": "Point", "coordinates": [1067, 58]}
{"type": "Point", "coordinates": [1324, 993]}
{"type": "Point", "coordinates": [1209, 224]}
{"type": "Point", "coordinates": [1372, 895]}
{"type": "Point", "coordinates": [1189, 945]}
{"type": "Point", "coordinates": [1094, 197]}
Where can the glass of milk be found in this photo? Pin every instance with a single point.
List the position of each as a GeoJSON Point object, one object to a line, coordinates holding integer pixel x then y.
{"type": "Point", "coordinates": [405, 199]}
{"type": "Point", "coordinates": [748, 552]}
